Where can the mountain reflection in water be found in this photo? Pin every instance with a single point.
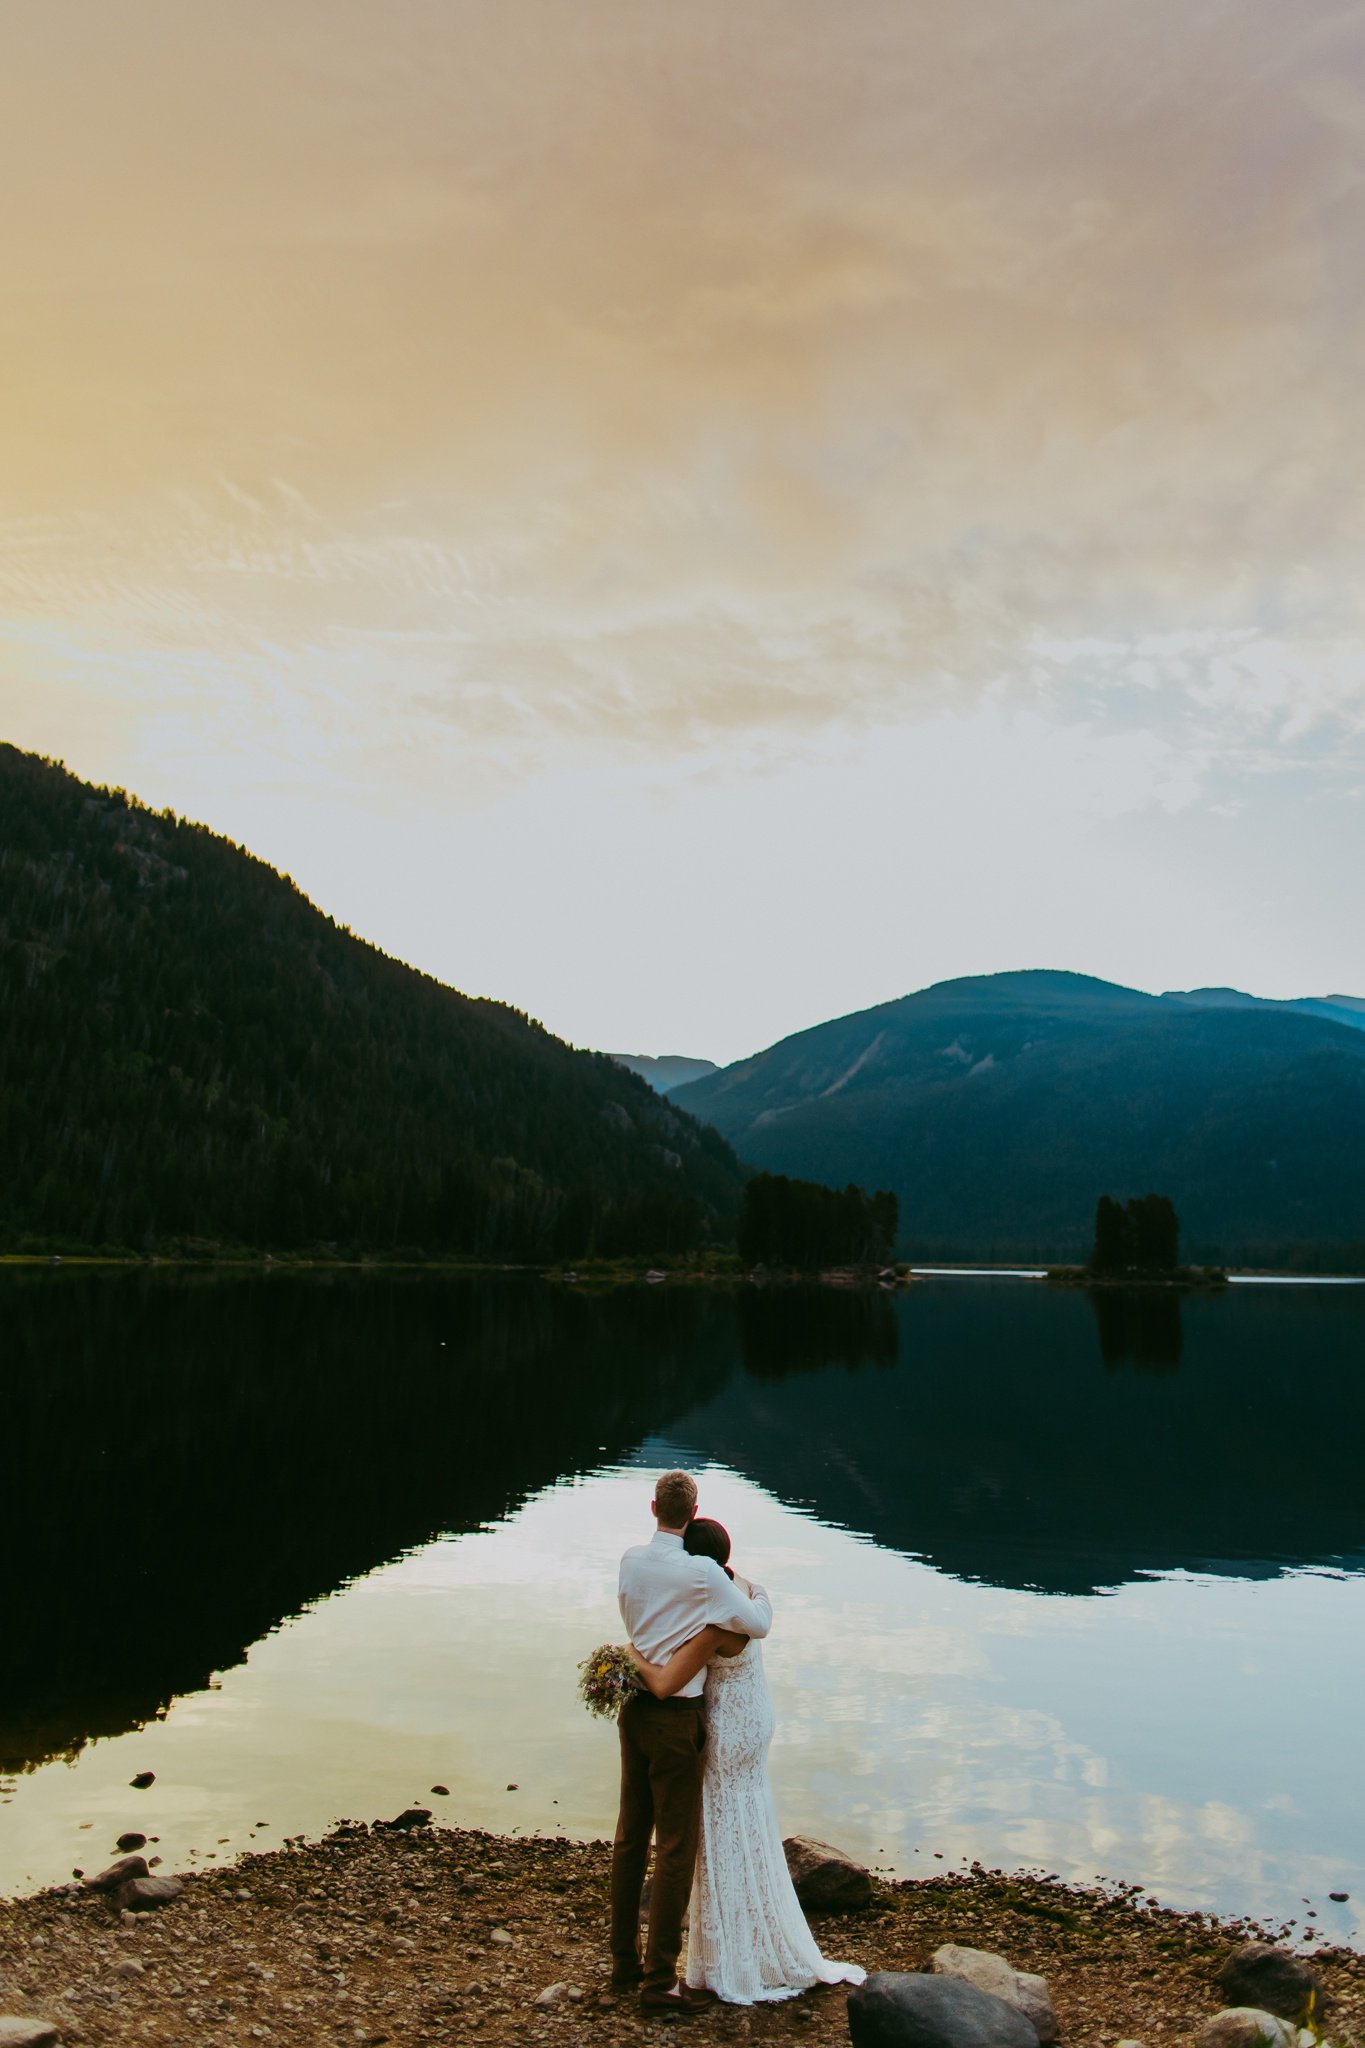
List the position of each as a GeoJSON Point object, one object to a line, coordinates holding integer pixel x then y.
{"type": "Point", "coordinates": [1070, 1443]}
{"type": "Point", "coordinates": [190, 1458]}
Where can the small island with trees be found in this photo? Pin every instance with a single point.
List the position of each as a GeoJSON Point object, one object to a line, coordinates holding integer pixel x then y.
{"type": "Point", "coordinates": [1136, 1244]}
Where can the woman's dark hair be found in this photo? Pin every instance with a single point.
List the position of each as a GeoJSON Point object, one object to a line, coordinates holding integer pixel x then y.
{"type": "Point", "coordinates": [705, 1538]}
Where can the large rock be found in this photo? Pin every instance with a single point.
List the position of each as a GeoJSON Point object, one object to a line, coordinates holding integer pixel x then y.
{"type": "Point", "coordinates": [826, 1880]}
{"type": "Point", "coordinates": [1027, 1993]}
{"type": "Point", "coordinates": [144, 1894]}
{"type": "Point", "coordinates": [1270, 1979]}
{"type": "Point", "coordinates": [894, 2011]}
{"type": "Point", "coordinates": [118, 1873]}
{"type": "Point", "coordinates": [1247, 2026]}
{"type": "Point", "coordinates": [1035, 2002]}
{"type": "Point", "coordinates": [979, 1966]}
{"type": "Point", "coordinates": [410, 1817]}
{"type": "Point", "coordinates": [21, 2032]}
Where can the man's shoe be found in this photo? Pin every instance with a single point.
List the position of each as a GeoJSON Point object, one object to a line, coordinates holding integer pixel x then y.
{"type": "Point", "coordinates": [622, 1982]}
{"type": "Point", "coordinates": [684, 2002]}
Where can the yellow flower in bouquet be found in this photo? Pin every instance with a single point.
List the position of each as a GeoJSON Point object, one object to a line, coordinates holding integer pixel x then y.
{"type": "Point", "coordinates": [607, 1679]}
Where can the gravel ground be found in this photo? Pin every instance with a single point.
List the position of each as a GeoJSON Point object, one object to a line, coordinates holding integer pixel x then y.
{"type": "Point", "coordinates": [437, 1935]}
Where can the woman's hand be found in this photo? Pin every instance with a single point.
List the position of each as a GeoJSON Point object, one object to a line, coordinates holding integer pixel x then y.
{"type": "Point", "coordinates": [663, 1680]}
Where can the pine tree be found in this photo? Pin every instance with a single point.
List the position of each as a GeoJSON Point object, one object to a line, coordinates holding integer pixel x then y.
{"type": "Point", "coordinates": [1109, 1254]}
{"type": "Point", "coordinates": [1144, 1237]}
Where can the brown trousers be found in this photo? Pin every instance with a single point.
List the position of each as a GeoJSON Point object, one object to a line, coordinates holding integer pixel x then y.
{"type": "Point", "coordinates": [663, 1744]}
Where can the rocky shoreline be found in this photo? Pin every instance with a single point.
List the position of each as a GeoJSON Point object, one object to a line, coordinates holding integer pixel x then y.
{"type": "Point", "coordinates": [392, 1937]}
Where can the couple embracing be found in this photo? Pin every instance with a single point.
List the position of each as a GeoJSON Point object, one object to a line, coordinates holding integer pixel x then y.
{"type": "Point", "coordinates": [694, 1774]}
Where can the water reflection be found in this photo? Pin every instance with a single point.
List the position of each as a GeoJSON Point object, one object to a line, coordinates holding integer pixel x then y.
{"type": "Point", "coordinates": [788, 1330]}
{"type": "Point", "coordinates": [187, 1459]}
{"type": "Point", "coordinates": [1139, 1326]}
{"type": "Point", "coordinates": [1006, 1449]}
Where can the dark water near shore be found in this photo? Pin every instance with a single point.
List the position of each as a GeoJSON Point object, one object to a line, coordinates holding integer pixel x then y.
{"type": "Point", "coordinates": [1061, 1580]}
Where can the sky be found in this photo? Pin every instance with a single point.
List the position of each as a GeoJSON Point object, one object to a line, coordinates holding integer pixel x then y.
{"type": "Point", "coordinates": [696, 516]}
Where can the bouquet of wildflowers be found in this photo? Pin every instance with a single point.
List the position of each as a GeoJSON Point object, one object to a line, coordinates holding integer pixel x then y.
{"type": "Point", "coordinates": [607, 1679]}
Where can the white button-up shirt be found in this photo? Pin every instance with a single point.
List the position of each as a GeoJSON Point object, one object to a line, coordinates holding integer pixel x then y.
{"type": "Point", "coordinates": [668, 1596]}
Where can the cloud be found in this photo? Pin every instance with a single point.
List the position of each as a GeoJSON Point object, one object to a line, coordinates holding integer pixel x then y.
{"type": "Point", "coordinates": [628, 374]}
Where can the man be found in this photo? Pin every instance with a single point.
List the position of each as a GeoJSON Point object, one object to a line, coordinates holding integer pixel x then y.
{"type": "Point", "coordinates": [666, 1597]}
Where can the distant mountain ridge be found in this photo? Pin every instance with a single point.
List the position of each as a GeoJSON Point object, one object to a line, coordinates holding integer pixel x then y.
{"type": "Point", "coordinates": [667, 1071]}
{"type": "Point", "coordinates": [192, 1053]}
{"type": "Point", "coordinates": [998, 1107]}
{"type": "Point", "coordinates": [1348, 1010]}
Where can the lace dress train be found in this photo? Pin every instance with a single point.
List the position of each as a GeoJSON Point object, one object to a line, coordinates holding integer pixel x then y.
{"type": "Point", "coordinates": [748, 1938]}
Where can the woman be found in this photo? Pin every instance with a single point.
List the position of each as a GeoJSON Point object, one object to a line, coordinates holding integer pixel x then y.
{"type": "Point", "coordinates": [748, 1938]}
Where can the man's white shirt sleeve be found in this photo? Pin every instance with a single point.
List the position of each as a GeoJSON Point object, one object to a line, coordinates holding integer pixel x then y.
{"type": "Point", "coordinates": [729, 1608]}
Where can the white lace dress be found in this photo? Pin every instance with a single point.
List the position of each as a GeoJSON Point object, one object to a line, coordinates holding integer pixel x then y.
{"type": "Point", "coordinates": [748, 1939]}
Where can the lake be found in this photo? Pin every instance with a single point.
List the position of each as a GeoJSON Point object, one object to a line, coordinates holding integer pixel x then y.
{"type": "Point", "coordinates": [1061, 1582]}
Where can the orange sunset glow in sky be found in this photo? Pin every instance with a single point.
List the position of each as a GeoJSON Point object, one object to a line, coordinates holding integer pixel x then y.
{"type": "Point", "coordinates": [696, 517]}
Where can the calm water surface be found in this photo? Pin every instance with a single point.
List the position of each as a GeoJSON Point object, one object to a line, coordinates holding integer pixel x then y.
{"type": "Point", "coordinates": [1059, 1581]}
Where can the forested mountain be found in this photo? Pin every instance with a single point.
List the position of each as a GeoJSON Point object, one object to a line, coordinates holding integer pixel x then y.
{"type": "Point", "coordinates": [190, 1051]}
{"type": "Point", "coordinates": [998, 1108]}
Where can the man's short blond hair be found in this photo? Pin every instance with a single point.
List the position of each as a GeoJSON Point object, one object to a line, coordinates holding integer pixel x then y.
{"type": "Point", "coordinates": [675, 1498]}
